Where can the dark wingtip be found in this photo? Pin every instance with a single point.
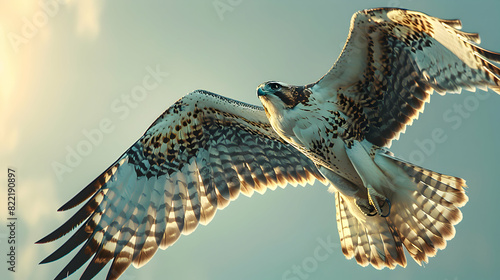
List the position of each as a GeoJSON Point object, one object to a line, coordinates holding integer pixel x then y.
{"type": "Point", "coordinates": [93, 187]}
{"type": "Point", "coordinates": [43, 240]}
{"type": "Point", "coordinates": [100, 259]}
{"type": "Point", "coordinates": [88, 249]}
{"type": "Point", "coordinates": [46, 260]}
{"type": "Point", "coordinates": [54, 235]}
{"type": "Point", "coordinates": [83, 195]}
{"type": "Point", "coordinates": [74, 241]}
{"type": "Point", "coordinates": [72, 222]}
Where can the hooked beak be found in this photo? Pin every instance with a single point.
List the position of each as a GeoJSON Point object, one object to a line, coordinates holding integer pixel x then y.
{"type": "Point", "coordinates": [261, 90]}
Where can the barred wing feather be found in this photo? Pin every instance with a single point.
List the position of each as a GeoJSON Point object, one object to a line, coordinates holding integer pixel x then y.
{"type": "Point", "coordinates": [194, 159]}
{"type": "Point", "coordinates": [392, 61]}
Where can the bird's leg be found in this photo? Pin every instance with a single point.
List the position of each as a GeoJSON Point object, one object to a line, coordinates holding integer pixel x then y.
{"type": "Point", "coordinates": [372, 198]}
{"type": "Point", "coordinates": [365, 207]}
{"type": "Point", "coordinates": [371, 175]}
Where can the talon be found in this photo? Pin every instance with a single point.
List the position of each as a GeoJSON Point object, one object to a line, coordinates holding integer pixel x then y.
{"type": "Point", "coordinates": [372, 199]}
{"type": "Point", "coordinates": [365, 207]}
{"type": "Point", "coordinates": [389, 203]}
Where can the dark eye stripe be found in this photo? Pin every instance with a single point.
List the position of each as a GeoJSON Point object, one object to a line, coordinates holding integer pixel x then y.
{"type": "Point", "coordinates": [284, 98]}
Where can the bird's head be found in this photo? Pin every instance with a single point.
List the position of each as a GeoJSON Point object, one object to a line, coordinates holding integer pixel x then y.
{"type": "Point", "coordinates": [277, 98]}
{"type": "Point", "coordinates": [282, 104]}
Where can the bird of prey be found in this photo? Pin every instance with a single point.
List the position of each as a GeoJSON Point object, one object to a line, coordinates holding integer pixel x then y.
{"type": "Point", "coordinates": [205, 150]}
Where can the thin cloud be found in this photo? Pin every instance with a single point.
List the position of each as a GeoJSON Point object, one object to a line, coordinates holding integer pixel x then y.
{"type": "Point", "coordinates": [25, 27]}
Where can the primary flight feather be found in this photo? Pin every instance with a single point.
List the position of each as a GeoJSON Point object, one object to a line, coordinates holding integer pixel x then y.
{"type": "Point", "coordinates": [206, 149]}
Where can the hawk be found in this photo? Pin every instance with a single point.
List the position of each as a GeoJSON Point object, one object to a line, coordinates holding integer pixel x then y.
{"type": "Point", "coordinates": [205, 150]}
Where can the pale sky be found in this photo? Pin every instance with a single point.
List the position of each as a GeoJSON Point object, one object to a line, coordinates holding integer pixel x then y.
{"type": "Point", "coordinates": [69, 69]}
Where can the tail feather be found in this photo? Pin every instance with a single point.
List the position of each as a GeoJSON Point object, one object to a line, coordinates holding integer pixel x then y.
{"type": "Point", "coordinates": [414, 237]}
{"type": "Point", "coordinates": [442, 186]}
{"type": "Point", "coordinates": [364, 240]}
{"type": "Point", "coordinates": [424, 210]}
{"type": "Point", "coordinates": [430, 211]}
{"type": "Point", "coordinates": [427, 220]}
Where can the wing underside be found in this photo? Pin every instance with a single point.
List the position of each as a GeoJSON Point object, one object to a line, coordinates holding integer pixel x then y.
{"type": "Point", "coordinates": [198, 156]}
{"type": "Point", "coordinates": [392, 62]}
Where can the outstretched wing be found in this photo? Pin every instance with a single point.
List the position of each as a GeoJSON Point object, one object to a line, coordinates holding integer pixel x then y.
{"type": "Point", "coordinates": [392, 61]}
{"type": "Point", "coordinates": [194, 159]}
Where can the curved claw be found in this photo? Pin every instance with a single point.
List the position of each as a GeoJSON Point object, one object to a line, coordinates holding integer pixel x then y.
{"type": "Point", "coordinates": [366, 208]}
{"type": "Point", "coordinates": [389, 213]}
{"type": "Point", "coordinates": [373, 197]}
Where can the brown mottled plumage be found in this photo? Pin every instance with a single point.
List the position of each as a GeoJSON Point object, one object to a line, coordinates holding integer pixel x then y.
{"type": "Point", "coordinates": [391, 63]}
{"type": "Point", "coordinates": [194, 159]}
{"type": "Point", "coordinates": [207, 149]}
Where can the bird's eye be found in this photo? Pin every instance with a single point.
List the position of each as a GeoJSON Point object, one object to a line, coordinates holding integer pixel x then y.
{"type": "Point", "coordinates": [274, 86]}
